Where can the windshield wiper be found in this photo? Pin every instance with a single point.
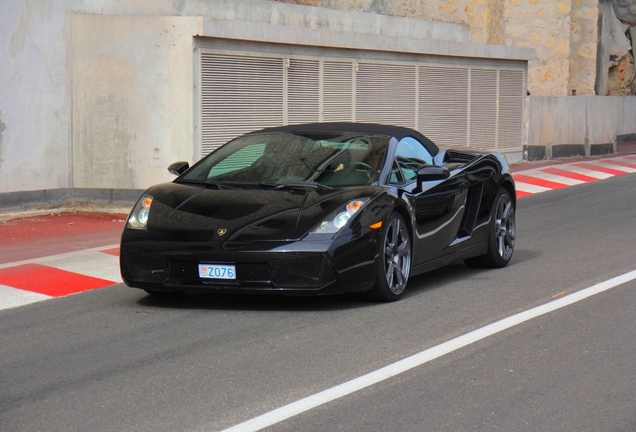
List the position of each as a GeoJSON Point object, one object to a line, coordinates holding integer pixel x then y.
{"type": "Point", "coordinates": [296, 186]}
{"type": "Point", "coordinates": [205, 184]}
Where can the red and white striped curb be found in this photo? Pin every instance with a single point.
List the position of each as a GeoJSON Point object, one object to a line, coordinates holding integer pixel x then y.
{"type": "Point", "coordinates": [552, 177]}
{"type": "Point", "coordinates": [30, 281]}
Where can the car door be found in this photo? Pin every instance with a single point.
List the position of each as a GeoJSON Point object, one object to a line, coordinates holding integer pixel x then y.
{"type": "Point", "coordinates": [437, 205]}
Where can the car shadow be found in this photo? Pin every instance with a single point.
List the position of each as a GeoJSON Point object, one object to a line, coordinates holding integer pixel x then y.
{"type": "Point", "coordinates": [256, 302]}
{"type": "Point", "coordinates": [418, 285]}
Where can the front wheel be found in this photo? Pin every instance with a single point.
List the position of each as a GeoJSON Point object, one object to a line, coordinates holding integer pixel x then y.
{"type": "Point", "coordinates": [394, 260]}
{"type": "Point", "coordinates": [502, 235]}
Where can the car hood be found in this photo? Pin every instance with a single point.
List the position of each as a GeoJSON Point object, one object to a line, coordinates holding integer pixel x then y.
{"type": "Point", "coordinates": [187, 212]}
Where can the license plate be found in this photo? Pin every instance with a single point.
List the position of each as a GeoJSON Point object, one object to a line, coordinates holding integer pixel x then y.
{"type": "Point", "coordinates": [217, 271]}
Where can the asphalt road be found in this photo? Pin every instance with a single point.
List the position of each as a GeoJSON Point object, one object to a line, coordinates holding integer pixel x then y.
{"type": "Point", "coordinates": [115, 359]}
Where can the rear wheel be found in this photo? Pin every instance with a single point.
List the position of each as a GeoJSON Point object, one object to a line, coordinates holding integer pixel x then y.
{"type": "Point", "coordinates": [502, 235]}
{"type": "Point", "coordinates": [394, 260]}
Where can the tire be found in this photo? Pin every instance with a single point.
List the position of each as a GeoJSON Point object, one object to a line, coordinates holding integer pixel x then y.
{"type": "Point", "coordinates": [502, 234]}
{"type": "Point", "coordinates": [394, 260]}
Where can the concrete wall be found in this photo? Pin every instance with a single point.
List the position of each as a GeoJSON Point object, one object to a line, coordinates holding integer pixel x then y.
{"type": "Point", "coordinates": [35, 95]}
{"type": "Point", "coordinates": [97, 95]}
{"type": "Point", "coordinates": [625, 115]}
{"type": "Point", "coordinates": [581, 125]}
{"type": "Point", "coordinates": [133, 98]}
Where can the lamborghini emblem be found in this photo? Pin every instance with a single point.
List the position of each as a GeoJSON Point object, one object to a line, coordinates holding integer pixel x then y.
{"type": "Point", "coordinates": [221, 232]}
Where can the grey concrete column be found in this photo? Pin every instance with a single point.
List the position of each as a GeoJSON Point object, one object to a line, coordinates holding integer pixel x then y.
{"type": "Point", "coordinates": [602, 48]}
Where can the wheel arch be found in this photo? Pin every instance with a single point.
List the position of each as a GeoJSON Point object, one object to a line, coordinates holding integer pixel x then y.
{"type": "Point", "coordinates": [510, 187]}
{"type": "Point", "coordinates": [403, 211]}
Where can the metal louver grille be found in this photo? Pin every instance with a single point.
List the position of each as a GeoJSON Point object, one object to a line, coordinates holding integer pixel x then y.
{"type": "Point", "coordinates": [453, 105]}
{"type": "Point", "coordinates": [443, 104]}
{"type": "Point", "coordinates": [238, 95]}
{"type": "Point", "coordinates": [303, 91]}
{"type": "Point", "coordinates": [385, 93]}
{"type": "Point", "coordinates": [510, 108]}
{"type": "Point", "coordinates": [337, 104]}
{"type": "Point", "coordinates": [483, 109]}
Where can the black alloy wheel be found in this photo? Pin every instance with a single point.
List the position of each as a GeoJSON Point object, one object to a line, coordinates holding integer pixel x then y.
{"type": "Point", "coordinates": [502, 236]}
{"type": "Point", "coordinates": [394, 260]}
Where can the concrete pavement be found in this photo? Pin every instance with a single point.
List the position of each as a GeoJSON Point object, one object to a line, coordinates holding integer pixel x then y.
{"type": "Point", "coordinates": [54, 255]}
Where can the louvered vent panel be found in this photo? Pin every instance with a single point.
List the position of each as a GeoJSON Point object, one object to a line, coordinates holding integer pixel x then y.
{"type": "Point", "coordinates": [238, 94]}
{"type": "Point", "coordinates": [443, 104]}
{"type": "Point", "coordinates": [511, 100]}
{"type": "Point", "coordinates": [337, 103]}
{"type": "Point", "coordinates": [303, 91]}
{"type": "Point", "coordinates": [385, 93]}
{"type": "Point", "coordinates": [483, 109]}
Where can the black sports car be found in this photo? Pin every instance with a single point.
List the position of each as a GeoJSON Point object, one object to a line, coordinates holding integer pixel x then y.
{"type": "Point", "coordinates": [320, 208]}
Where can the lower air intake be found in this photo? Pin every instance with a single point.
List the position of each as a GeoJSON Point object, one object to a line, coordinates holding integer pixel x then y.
{"type": "Point", "coordinates": [311, 271]}
{"type": "Point", "coordinates": [141, 267]}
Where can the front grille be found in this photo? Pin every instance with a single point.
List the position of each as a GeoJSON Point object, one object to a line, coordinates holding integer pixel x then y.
{"type": "Point", "coordinates": [310, 271]}
{"type": "Point", "coordinates": [141, 267]}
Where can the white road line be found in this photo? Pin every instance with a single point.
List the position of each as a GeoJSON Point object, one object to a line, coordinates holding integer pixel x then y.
{"type": "Point", "coordinates": [529, 188]}
{"type": "Point", "coordinates": [538, 174]}
{"type": "Point", "coordinates": [588, 172]}
{"type": "Point", "coordinates": [295, 408]}
{"type": "Point", "coordinates": [13, 297]}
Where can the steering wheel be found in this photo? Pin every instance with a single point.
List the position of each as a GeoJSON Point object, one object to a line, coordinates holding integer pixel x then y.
{"type": "Point", "coordinates": [368, 169]}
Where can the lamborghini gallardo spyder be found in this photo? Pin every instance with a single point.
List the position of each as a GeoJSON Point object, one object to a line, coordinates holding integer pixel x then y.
{"type": "Point", "coordinates": [319, 209]}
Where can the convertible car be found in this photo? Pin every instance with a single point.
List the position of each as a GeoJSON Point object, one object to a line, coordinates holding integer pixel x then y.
{"type": "Point", "coordinates": [320, 209]}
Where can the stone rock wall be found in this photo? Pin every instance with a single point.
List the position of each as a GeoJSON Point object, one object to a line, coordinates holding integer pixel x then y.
{"type": "Point", "coordinates": [583, 42]}
{"type": "Point", "coordinates": [621, 22]}
{"type": "Point", "coordinates": [545, 26]}
{"type": "Point", "coordinates": [485, 17]}
{"type": "Point", "coordinates": [564, 34]}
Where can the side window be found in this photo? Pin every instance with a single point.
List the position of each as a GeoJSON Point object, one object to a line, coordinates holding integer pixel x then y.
{"type": "Point", "coordinates": [395, 176]}
{"type": "Point", "coordinates": [410, 156]}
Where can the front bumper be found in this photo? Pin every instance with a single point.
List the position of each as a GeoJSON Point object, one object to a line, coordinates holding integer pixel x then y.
{"type": "Point", "coordinates": [312, 269]}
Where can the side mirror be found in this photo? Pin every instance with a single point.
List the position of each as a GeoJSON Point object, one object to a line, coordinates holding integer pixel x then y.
{"type": "Point", "coordinates": [433, 172]}
{"type": "Point", "coordinates": [178, 168]}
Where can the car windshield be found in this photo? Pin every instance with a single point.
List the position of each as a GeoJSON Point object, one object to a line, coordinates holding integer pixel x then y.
{"type": "Point", "coordinates": [326, 159]}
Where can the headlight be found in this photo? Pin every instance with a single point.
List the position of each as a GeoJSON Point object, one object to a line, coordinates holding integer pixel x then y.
{"type": "Point", "coordinates": [139, 216]}
{"type": "Point", "coordinates": [338, 219]}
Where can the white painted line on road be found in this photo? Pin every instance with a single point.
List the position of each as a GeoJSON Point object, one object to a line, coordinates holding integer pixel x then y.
{"type": "Point", "coordinates": [13, 297]}
{"type": "Point", "coordinates": [295, 408]}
